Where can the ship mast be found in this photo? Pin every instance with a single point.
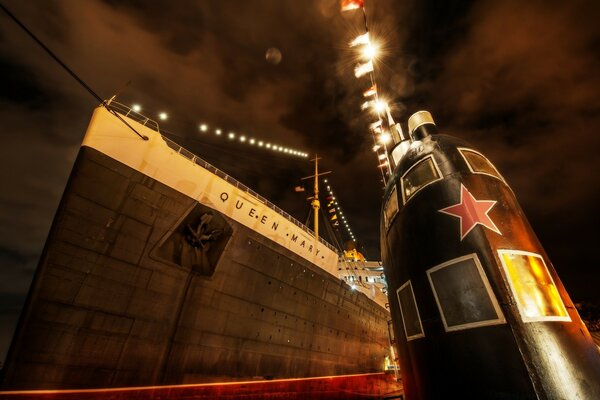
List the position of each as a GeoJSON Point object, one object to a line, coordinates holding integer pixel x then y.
{"type": "Point", "coordinates": [315, 203]}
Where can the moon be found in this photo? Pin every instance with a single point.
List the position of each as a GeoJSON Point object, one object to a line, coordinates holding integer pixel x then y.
{"type": "Point", "coordinates": [273, 56]}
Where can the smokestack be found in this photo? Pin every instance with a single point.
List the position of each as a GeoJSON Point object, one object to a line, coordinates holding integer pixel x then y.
{"type": "Point", "coordinates": [421, 125]}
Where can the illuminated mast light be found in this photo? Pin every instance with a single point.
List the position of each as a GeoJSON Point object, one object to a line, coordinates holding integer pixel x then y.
{"type": "Point", "coordinates": [385, 138]}
{"type": "Point", "coordinates": [370, 51]}
{"type": "Point", "coordinates": [380, 106]}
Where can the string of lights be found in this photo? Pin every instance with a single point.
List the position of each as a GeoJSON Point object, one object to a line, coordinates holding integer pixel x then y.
{"type": "Point", "coordinates": [251, 141]}
{"type": "Point", "coordinates": [337, 216]}
{"type": "Point", "coordinates": [368, 52]}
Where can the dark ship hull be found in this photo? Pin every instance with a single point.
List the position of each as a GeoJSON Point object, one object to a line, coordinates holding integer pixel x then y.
{"type": "Point", "coordinates": [141, 283]}
{"type": "Point", "coordinates": [479, 311]}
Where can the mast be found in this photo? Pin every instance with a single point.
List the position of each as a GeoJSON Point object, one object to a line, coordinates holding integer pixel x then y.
{"type": "Point", "coordinates": [315, 203]}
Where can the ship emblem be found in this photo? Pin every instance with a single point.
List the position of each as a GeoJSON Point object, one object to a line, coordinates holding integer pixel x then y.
{"type": "Point", "coordinates": [196, 242]}
{"type": "Point", "coordinates": [202, 236]}
{"type": "Point", "coordinates": [471, 212]}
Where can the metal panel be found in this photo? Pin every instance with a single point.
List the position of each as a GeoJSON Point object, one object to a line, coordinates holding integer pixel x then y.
{"type": "Point", "coordinates": [463, 294]}
{"type": "Point", "coordinates": [410, 312]}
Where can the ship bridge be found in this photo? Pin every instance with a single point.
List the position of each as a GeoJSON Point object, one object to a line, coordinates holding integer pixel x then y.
{"type": "Point", "coordinates": [366, 277]}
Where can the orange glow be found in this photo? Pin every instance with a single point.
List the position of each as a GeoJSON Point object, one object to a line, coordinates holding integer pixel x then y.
{"type": "Point", "coordinates": [535, 292]}
{"type": "Point", "coordinates": [364, 386]}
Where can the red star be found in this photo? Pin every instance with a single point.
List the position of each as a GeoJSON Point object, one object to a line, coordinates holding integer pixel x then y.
{"type": "Point", "coordinates": [471, 212]}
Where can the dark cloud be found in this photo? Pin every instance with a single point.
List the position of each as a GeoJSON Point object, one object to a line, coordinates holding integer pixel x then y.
{"type": "Point", "coordinates": [518, 80]}
{"type": "Point", "coordinates": [21, 86]}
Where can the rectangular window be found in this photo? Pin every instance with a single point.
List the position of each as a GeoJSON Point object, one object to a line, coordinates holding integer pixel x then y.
{"type": "Point", "coordinates": [478, 164]}
{"type": "Point", "coordinates": [423, 173]}
{"type": "Point", "coordinates": [391, 207]}
{"type": "Point", "coordinates": [410, 313]}
{"type": "Point", "coordinates": [463, 294]}
{"type": "Point", "coordinates": [532, 286]}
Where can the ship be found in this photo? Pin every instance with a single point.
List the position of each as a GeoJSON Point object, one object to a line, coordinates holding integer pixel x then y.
{"type": "Point", "coordinates": [161, 269]}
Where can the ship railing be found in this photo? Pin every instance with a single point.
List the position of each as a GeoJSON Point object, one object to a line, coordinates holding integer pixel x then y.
{"type": "Point", "coordinates": [128, 112]}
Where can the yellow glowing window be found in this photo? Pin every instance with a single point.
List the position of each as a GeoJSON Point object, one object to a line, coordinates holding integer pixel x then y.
{"type": "Point", "coordinates": [478, 164]}
{"type": "Point", "coordinates": [423, 173]}
{"type": "Point", "coordinates": [534, 290]}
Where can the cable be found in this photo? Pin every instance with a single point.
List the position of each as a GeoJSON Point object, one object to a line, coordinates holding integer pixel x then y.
{"type": "Point", "coordinates": [66, 68]}
{"type": "Point", "coordinates": [51, 54]}
{"type": "Point", "coordinates": [331, 232]}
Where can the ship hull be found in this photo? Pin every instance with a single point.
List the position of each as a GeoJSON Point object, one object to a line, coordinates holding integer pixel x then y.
{"type": "Point", "coordinates": [140, 284]}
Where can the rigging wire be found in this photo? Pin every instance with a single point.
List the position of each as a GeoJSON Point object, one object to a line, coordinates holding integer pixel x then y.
{"type": "Point", "coordinates": [308, 216]}
{"type": "Point", "coordinates": [337, 211]}
{"type": "Point", "coordinates": [51, 54]}
{"type": "Point", "coordinates": [331, 232]}
{"type": "Point", "coordinates": [66, 68]}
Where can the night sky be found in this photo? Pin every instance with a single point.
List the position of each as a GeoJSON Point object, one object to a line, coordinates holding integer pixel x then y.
{"type": "Point", "coordinates": [519, 80]}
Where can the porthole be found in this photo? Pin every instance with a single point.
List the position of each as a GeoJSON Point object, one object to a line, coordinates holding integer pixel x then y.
{"type": "Point", "coordinates": [423, 173]}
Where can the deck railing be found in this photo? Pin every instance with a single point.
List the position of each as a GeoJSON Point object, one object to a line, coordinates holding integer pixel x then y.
{"type": "Point", "coordinates": [129, 113]}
